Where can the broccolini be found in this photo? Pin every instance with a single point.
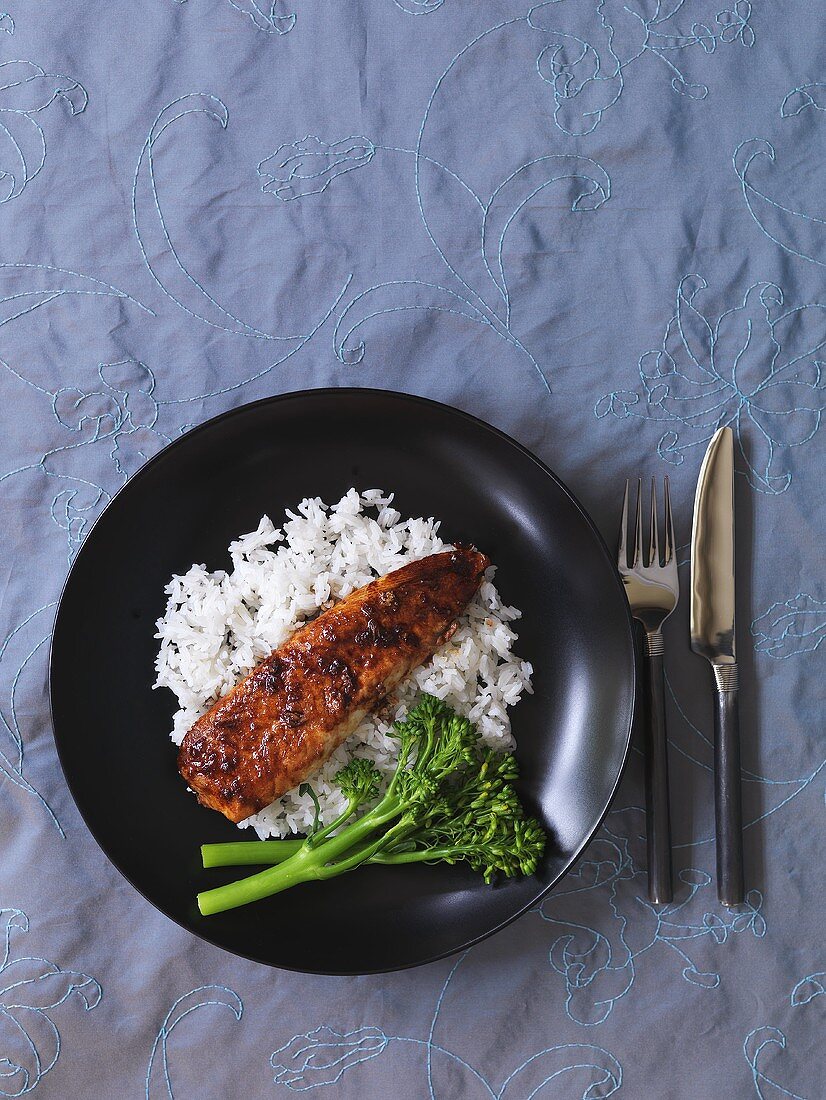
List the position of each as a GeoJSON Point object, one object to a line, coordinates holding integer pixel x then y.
{"type": "Point", "coordinates": [449, 800]}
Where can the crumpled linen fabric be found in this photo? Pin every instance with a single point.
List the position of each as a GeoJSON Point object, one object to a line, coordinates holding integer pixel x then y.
{"type": "Point", "coordinates": [598, 226]}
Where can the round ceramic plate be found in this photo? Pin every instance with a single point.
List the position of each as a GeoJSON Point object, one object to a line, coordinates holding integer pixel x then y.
{"type": "Point", "coordinates": [186, 505]}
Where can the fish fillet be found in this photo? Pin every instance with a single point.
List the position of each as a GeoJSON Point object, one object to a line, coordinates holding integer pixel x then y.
{"type": "Point", "coordinates": [285, 718]}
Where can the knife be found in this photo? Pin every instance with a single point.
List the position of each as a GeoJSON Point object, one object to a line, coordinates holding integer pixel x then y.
{"type": "Point", "coordinates": [712, 636]}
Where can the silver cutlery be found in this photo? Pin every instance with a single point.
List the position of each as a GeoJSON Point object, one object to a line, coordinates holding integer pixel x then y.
{"type": "Point", "coordinates": [653, 588]}
{"type": "Point", "coordinates": [712, 636]}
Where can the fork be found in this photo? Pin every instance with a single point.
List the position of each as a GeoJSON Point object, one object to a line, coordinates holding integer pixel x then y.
{"type": "Point", "coordinates": [653, 589]}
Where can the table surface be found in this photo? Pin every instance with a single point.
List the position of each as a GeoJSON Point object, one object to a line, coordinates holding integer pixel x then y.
{"type": "Point", "coordinates": [598, 226]}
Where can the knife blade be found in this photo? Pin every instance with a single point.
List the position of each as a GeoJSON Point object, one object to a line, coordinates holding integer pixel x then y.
{"type": "Point", "coordinates": [713, 637]}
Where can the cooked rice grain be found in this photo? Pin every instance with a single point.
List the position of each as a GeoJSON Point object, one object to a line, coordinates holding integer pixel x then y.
{"type": "Point", "coordinates": [218, 626]}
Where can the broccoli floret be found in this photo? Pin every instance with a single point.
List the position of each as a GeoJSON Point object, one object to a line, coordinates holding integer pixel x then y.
{"type": "Point", "coordinates": [358, 781]}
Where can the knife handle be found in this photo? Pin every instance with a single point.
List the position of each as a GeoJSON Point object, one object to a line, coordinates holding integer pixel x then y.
{"type": "Point", "coordinates": [657, 809]}
{"type": "Point", "coordinates": [727, 802]}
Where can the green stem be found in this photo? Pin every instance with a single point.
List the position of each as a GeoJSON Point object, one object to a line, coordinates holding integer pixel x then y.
{"type": "Point", "coordinates": [306, 865]}
{"type": "Point", "coordinates": [298, 868]}
{"type": "Point", "coordinates": [260, 853]}
{"type": "Point", "coordinates": [365, 854]}
{"type": "Point", "coordinates": [245, 852]}
{"type": "Point", "coordinates": [428, 855]}
{"type": "Point", "coordinates": [314, 839]}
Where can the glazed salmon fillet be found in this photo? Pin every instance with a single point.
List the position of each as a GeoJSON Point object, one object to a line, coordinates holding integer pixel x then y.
{"type": "Point", "coordinates": [285, 718]}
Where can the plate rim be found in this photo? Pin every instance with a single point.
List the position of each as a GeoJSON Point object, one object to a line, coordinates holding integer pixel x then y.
{"type": "Point", "coordinates": [478, 423]}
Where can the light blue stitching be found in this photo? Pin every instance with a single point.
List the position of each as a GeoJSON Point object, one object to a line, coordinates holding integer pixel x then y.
{"type": "Point", "coordinates": [335, 159]}
{"type": "Point", "coordinates": [264, 370]}
{"type": "Point", "coordinates": [760, 205]}
{"type": "Point", "coordinates": [599, 192]}
{"type": "Point", "coordinates": [16, 1076]}
{"type": "Point", "coordinates": [44, 296]}
{"type": "Point", "coordinates": [299, 1068]}
{"type": "Point", "coordinates": [419, 156]}
{"type": "Point", "coordinates": [436, 164]}
{"type": "Point", "coordinates": [733, 25]}
{"type": "Point", "coordinates": [356, 354]}
{"type": "Point", "coordinates": [273, 22]}
{"type": "Point", "coordinates": [788, 629]}
{"type": "Point", "coordinates": [144, 180]}
{"type": "Point", "coordinates": [482, 306]}
{"type": "Point", "coordinates": [753, 1047]}
{"type": "Point", "coordinates": [289, 174]}
{"type": "Point", "coordinates": [750, 777]}
{"type": "Point", "coordinates": [18, 110]}
{"type": "Point", "coordinates": [584, 88]}
{"type": "Point", "coordinates": [432, 1047]}
{"type": "Point", "coordinates": [705, 392]}
{"type": "Point", "coordinates": [418, 7]}
{"type": "Point", "coordinates": [473, 307]}
{"type": "Point", "coordinates": [13, 769]}
{"type": "Point", "coordinates": [602, 1062]}
{"type": "Point", "coordinates": [295, 174]}
{"type": "Point", "coordinates": [744, 154]}
{"type": "Point", "coordinates": [435, 1017]}
{"type": "Point", "coordinates": [267, 21]}
{"type": "Point", "coordinates": [120, 425]}
{"type": "Point", "coordinates": [350, 1047]}
{"type": "Point", "coordinates": [310, 1059]}
{"type": "Point", "coordinates": [560, 73]}
{"type": "Point", "coordinates": [768, 813]}
{"type": "Point", "coordinates": [800, 98]}
{"type": "Point", "coordinates": [270, 22]}
{"type": "Point", "coordinates": [803, 993]}
{"type": "Point", "coordinates": [125, 426]}
{"type": "Point", "coordinates": [813, 985]}
{"type": "Point", "coordinates": [215, 109]}
{"type": "Point", "coordinates": [600, 969]}
{"type": "Point", "coordinates": [202, 996]}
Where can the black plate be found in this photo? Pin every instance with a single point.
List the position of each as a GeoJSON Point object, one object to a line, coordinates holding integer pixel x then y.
{"type": "Point", "coordinates": [185, 506]}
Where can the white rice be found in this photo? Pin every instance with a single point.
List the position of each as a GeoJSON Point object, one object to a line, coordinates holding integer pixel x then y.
{"type": "Point", "coordinates": [218, 626]}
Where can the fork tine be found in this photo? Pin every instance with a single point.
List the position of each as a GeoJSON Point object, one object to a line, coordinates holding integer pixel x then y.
{"type": "Point", "coordinates": [622, 548]}
{"type": "Point", "coordinates": [654, 539]}
{"type": "Point", "coordinates": [669, 526]}
{"type": "Point", "coordinates": [638, 526]}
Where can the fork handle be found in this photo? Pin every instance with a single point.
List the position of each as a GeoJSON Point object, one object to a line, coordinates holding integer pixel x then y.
{"type": "Point", "coordinates": [727, 802]}
{"type": "Point", "coordinates": [657, 811]}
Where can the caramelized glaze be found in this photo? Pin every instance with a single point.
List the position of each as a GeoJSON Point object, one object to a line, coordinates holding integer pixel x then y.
{"type": "Point", "coordinates": [283, 720]}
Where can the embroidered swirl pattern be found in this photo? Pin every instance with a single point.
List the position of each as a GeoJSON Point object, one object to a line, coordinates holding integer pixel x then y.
{"type": "Point", "coordinates": [600, 963]}
{"type": "Point", "coordinates": [786, 629]}
{"type": "Point", "coordinates": [26, 92]}
{"type": "Point", "coordinates": [763, 1042]}
{"type": "Point", "coordinates": [323, 1056]}
{"type": "Point", "coordinates": [593, 45]}
{"type": "Point", "coordinates": [755, 367]}
{"type": "Point", "coordinates": [31, 990]}
{"type": "Point", "coordinates": [800, 233]}
{"type": "Point", "coordinates": [247, 196]}
{"type": "Point", "coordinates": [159, 1070]}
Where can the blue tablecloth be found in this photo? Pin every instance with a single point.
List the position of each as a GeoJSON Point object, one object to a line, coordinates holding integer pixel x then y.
{"type": "Point", "coordinates": [598, 225]}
